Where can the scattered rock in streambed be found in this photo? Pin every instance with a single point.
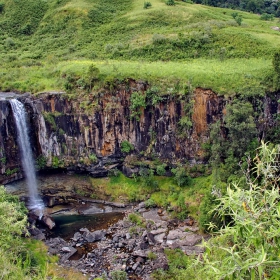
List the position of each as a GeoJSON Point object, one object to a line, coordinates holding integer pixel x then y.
{"type": "Point", "coordinates": [128, 247]}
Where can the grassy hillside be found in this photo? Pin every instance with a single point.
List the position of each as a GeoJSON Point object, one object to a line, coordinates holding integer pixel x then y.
{"type": "Point", "coordinates": [42, 41]}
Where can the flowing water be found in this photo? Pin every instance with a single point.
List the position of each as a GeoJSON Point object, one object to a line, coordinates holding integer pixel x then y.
{"type": "Point", "coordinates": [35, 202]}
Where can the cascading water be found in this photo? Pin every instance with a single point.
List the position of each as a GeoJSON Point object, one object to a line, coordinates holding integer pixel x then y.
{"type": "Point", "coordinates": [35, 202]}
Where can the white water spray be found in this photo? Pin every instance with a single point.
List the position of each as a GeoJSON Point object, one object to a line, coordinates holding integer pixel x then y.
{"type": "Point", "coordinates": [36, 202]}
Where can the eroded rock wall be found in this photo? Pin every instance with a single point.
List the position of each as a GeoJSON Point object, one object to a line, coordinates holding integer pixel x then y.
{"type": "Point", "coordinates": [84, 134]}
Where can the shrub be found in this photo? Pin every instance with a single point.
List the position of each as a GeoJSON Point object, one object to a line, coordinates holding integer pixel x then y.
{"type": "Point", "coordinates": [147, 5]}
{"type": "Point", "coordinates": [9, 42]}
{"type": "Point", "coordinates": [41, 162]}
{"type": "Point", "coordinates": [10, 172]}
{"type": "Point", "coordinates": [148, 179]}
{"type": "Point", "coordinates": [180, 176]}
{"type": "Point", "coordinates": [93, 158]}
{"type": "Point", "coordinates": [170, 2]}
{"type": "Point", "coordinates": [114, 172]}
{"type": "Point", "coordinates": [137, 101]}
{"type": "Point", "coordinates": [150, 203]}
{"type": "Point", "coordinates": [126, 147]}
{"type": "Point", "coordinates": [151, 256]}
{"type": "Point", "coordinates": [161, 169]}
{"type": "Point", "coordinates": [135, 219]}
{"type": "Point", "coordinates": [237, 18]}
{"type": "Point", "coordinates": [2, 6]}
{"type": "Point", "coordinates": [118, 275]}
{"type": "Point", "coordinates": [266, 16]}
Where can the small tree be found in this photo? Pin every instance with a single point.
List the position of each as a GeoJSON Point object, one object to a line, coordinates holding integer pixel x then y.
{"type": "Point", "coordinates": [92, 74]}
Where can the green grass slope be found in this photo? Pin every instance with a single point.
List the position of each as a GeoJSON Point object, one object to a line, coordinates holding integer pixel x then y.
{"type": "Point", "coordinates": [205, 46]}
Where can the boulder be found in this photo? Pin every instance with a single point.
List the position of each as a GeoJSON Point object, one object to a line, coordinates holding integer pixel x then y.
{"type": "Point", "coordinates": [191, 239]}
{"type": "Point", "coordinates": [48, 221]}
{"type": "Point", "coordinates": [94, 236]}
{"type": "Point", "coordinates": [76, 236]}
{"type": "Point", "coordinates": [159, 237]}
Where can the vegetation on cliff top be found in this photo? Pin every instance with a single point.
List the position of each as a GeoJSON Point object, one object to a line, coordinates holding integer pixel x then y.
{"type": "Point", "coordinates": [43, 43]}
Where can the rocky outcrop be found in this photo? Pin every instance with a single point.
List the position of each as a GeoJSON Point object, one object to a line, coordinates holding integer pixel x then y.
{"type": "Point", "coordinates": [85, 134]}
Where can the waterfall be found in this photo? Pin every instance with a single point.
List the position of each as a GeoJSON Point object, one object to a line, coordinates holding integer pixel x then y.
{"type": "Point", "coordinates": [35, 202]}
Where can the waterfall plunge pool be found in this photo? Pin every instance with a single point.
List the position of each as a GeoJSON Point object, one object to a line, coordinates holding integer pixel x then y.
{"type": "Point", "coordinates": [70, 214]}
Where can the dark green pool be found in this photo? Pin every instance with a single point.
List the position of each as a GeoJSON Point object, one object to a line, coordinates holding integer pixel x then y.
{"type": "Point", "coordinates": [67, 225]}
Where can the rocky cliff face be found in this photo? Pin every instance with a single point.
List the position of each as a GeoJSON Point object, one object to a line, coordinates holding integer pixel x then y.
{"type": "Point", "coordinates": [85, 134]}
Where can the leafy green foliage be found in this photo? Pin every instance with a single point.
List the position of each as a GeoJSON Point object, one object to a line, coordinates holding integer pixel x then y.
{"type": "Point", "coordinates": [276, 66]}
{"type": "Point", "coordinates": [237, 18]}
{"type": "Point", "coordinates": [56, 163]}
{"type": "Point", "coordinates": [126, 147]}
{"type": "Point", "coordinates": [147, 178]}
{"type": "Point", "coordinates": [170, 2]}
{"type": "Point", "coordinates": [136, 219]}
{"type": "Point", "coordinates": [41, 162]}
{"type": "Point", "coordinates": [254, 229]}
{"type": "Point", "coordinates": [181, 176]}
{"type": "Point", "coordinates": [254, 6]}
{"type": "Point", "coordinates": [10, 172]}
{"type": "Point", "coordinates": [266, 16]}
{"type": "Point", "coordinates": [68, 35]}
{"type": "Point", "coordinates": [147, 5]}
{"type": "Point", "coordinates": [118, 275]}
{"type": "Point", "coordinates": [93, 158]}
{"type": "Point", "coordinates": [17, 259]}
{"type": "Point", "coordinates": [23, 17]}
{"type": "Point", "coordinates": [161, 169]}
{"type": "Point", "coordinates": [50, 119]}
{"type": "Point", "coordinates": [151, 256]}
{"type": "Point", "coordinates": [137, 102]}
{"type": "Point", "coordinates": [232, 139]}
{"type": "Point", "coordinates": [248, 246]}
{"type": "Point", "coordinates": [2, 6]}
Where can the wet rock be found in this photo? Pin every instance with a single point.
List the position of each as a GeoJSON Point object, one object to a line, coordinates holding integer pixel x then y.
{"type": "Point", "coordinates": [48, 221]}
{"type": "Point", "coordinates": [37, 234]}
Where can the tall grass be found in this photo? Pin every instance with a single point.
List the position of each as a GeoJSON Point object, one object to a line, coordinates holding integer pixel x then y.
{"type": "Point", "coordinates": [188, 42]}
